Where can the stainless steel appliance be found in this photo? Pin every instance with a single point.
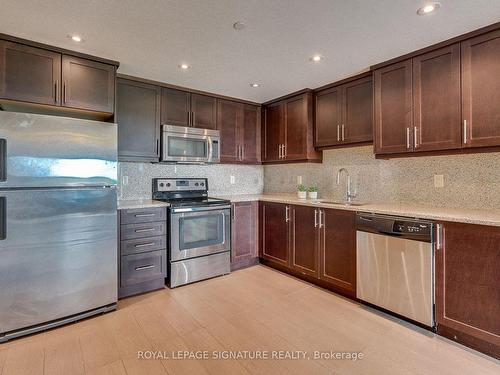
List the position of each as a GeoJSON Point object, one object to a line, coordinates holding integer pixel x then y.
{"type": "Point", "coordinates": [199, 230]}
{"type": "Point", "coordinates": [395, 265]}
{"type": "Point", "coordinates": [189, 145]}
{"type": "Point", "coordinates": [57, 221]}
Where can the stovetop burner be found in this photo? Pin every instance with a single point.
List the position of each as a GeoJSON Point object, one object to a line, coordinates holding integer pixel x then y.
{"type": "Point", "coordinates": [183, 192]}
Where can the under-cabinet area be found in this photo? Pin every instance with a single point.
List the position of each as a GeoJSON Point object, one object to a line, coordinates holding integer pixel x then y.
{"type": "Point", "coordinates": [280, 187]}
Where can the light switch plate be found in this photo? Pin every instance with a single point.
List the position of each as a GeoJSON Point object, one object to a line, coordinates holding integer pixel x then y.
{"type": "Point", "coordinates": [438, 180]}
{"type": "Point", "coordinates": [124, 180]}
{"type": "Point", "coordinates": [232, 179]}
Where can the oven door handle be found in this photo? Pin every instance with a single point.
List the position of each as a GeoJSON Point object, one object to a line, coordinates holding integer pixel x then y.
{"type": "Point", "coordinates": [200, 209]}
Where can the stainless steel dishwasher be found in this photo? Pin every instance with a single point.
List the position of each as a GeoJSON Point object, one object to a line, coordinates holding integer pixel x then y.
{"type": "Point", "coordinates": [395, 265]}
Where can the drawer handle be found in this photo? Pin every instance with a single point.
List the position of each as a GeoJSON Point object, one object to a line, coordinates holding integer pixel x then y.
{"type": "Point", "coordinates": [141, 268]}
{"type": "Point", "coordinates": [145, 230]}
{"type": "Point", "coordinates": [145, 244]}
{"type": "Point", "coordinates": [144, 215]}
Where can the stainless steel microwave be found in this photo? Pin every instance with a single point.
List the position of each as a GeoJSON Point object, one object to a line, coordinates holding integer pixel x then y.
{"type": "Point", "coordinates": [189, 145]}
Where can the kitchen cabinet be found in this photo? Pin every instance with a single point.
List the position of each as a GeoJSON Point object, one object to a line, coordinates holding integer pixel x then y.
{"type": "Point", "coordinates": [275, 232]}
{"type": "Point", "coordinates": [304, 240]}
{"type": "Point", "coordinates": [239, 126]}
{"type": "Point", "coordinates": [337, 250]}
{"type": "Point", "coordinates": [182, 108]}
{"type": "Point", "coordinates": [288, 130]}
{"type": "Point", "coordinates": [467, 285]}
{"type": "Point", "coordinates": [244, 232]}
{"type": "Point", "coordinates": [344, 113]}
{"type": "Point", "coordinates": [393, 108]}
{"type": "Point", "coordinates": [43, 76]}
{"type": "Point", "coordinates": [29, 74]}
{"type": "Point", "coordinates": [138, 118]}
{"type": "Point", "coordinates": [88, 85]}
{"type": "Point", "coordinates": [481, 90]}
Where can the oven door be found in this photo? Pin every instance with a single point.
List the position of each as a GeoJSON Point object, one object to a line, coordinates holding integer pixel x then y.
{"type": "Point", "coordinates": [199, 231]}
{"type": "Point", "coordinates": [188, 148]}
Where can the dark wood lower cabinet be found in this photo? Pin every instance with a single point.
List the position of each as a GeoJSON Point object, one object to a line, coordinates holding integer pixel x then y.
{"type": "Point", "coordinates": [468, 286]}
{"type": "Point", "coordinates": [274, 218]}
{"type": "Point", "coordinates": [245, 235]}
{"type": "Point", "coordinates": [304, 239]}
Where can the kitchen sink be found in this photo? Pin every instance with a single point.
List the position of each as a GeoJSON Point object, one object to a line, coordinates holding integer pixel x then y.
{"type": "Point", "coordinates": [343, 203]}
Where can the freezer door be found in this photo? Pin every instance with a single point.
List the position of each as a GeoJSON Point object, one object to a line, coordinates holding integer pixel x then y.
{"type": "Point", "coordinates": [58, 254]}
{"type": "Point", "coordinates": [50, 151]}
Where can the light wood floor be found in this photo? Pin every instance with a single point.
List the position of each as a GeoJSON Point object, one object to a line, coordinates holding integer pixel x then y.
{"type": "Point", "coordinates": [252, 309]}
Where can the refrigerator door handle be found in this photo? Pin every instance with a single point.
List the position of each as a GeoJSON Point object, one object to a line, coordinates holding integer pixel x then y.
{"type": "Point", "coordinates": [3, 218]}
{"type": "Point", "coordinates": [3, 159]}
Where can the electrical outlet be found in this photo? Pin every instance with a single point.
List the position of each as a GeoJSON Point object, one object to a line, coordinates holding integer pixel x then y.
{"type": "Point", "coordinates": [124, 180]}
{"type": "Point", "coordinates": [438, 180]}
{"type": "Point", "coordinates": [299, 180]}
{"type": "Point", "coordinates": [232, 179]}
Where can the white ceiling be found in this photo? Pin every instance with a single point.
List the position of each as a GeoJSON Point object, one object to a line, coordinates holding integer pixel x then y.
{"type": "Point", "coordinates": [152, 37]}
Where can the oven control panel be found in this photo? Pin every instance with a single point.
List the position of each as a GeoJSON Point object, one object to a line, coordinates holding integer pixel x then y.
{"type": "Point", "coordinates": [180, 184]}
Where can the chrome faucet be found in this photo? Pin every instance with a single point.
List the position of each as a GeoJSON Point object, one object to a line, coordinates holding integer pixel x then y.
{"type": "Point", "coordinates": [350, 195]}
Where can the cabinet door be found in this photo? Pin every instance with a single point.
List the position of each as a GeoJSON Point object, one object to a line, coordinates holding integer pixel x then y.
{"type": "Point", "coordinates": [357, 124]}
{"type": "Point", "coordinates": [29, 74]}
{"type": "Point", "coordinates": [467, 283]}
{"type": "Point", "coordinates": [436, 100]}
{"type": "Point", "coordinates": [273, 131]}
{"type": "Point", "coordinates": [303, 240]}
{"type": "Point", "coordinates": [338, 249]}
{"type": "Point", "coordinates": [175, 107]}
{"type": "Point", "coordinates": [250, 134]}
{"type": "Point", "coordinates": [229, 116]}
{"type": "Point", "coordinates": [328, 117]}
{"type": "Point", "coordinates": [393, 108]}
{"type": "Point", "coordinates": [138, 118]}
{"type": "Point", "coordinates": [203, 111]}
{"type": "Point", "coordinates": [481, 90]}
{"type": "Point", "coordinates": [296, 127]}
{"type": "Point", "coordinates": [275, 232]}
{"type": "Point", "coordinates": [244, 231]}
{"type": "Point", "coordinates": [88, 84]}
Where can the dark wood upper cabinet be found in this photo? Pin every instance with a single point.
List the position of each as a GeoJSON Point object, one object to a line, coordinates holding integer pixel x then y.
{"type": "Point", "coordinates": [230, 115]}
{"type": "Point", "coordinates": [357, 111]}
{"type": "Point", "coordinates": [393, 108]}
{"type": "Point", "coordinates": [203, 111]}
{"type": "Point", "coordinates": [87, 84]}
{"type": "Point", "coordinates": [275, 232]}
{"type": "Point", "coordinates": [304, 240]}
{"type": "Point", "coordinates": [337, 250]}
{"type": "Point", "coordinates": [481, 90]}
{"type": "Point", "coordinates": [328, 117]}
{"type": "Point", "coordinates": [467, 285]}
{"type": "Point", "coordinates": [29, 74]}
{"type": "Point", "coordinates": [175, 107]}
{"type": "Point", "coordinates": [250, 134]}
{"type": "Point", "coordinates": [273, 132]}
{"type": "Point", "coordinates": [244, 233]}
{"type": "Point", "coordinates": [288, 130]}
{"type": "Point", "coordinates": [436, 100]}
{"type": "Point", "coordinates": [138, 118]}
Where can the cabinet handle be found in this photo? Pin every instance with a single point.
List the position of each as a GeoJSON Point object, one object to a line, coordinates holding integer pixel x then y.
{"type": "Point", "coordinates": [149, 266]}
{"type": "Point", "coordinates": [408, 138]}
{"type": "Point", "coordinates": [144, 244]}
{"type": "Point", "coordinates": [465, 131]}
{"type": "Point", "coordinates": [145, 230]}
{"type": "Point", "coordinates": [284, 151]}
{"type": "Point", "coordinates": [287, 214]}
{"type": "Point", "coordinates": [338, 133]}
{"type": "Point", "coordinates": [343, 132]}
{"type": "Point", "coordinates": [242, 152]}
{"type": "Point", "coordinates": [415, 139]}
{"type": "Point", "coordinates": [439, 236]}
{"type": "Point", "coordinates": [279, 151]}
{"type": "Point", "coordinates": [193, 117]}
{"type": "Point", "coordinates": [321, 216]}
{"type": "Point", "coordinates": [55, 92]}
{"type": "Point", "coordinates": [316, 218]}
{"type": "Point", "coordinates": [144, 215]}
{"type": "Point", "coordinates": [64, 92]}
{"type": "Point", "coordinates": [158, 147]}
{"type": "Point", "coordinates": [189, 118]}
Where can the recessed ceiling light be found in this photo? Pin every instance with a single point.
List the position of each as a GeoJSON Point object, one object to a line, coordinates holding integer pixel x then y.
{"type": "Point", "coordinates": [255, 85]}
{"type": "Point", "coordinates": [184, 66]}
{"type": "Point", "coordinates": [239, 25]}
{"type": "Point", "coordinates": [428, 8]}
{"type": "Point", "coordinates": [75, 38]}
{"type": "Point", "coordinates": [316, 58]}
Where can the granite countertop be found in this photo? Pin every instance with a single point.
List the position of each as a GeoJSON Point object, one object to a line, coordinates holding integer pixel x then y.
{"type": "Point", "coordinates": [140, 203]}
{"type": "Point", "coordinates": [461, 215]}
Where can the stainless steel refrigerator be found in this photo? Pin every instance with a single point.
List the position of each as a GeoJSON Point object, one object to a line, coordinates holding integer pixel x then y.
{"type": "Point", "coordinates": [58, 227]}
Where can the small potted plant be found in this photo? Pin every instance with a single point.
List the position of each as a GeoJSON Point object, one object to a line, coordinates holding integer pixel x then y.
{"type": "Point", "coordinates": [302, 191]}
{"type": "Point", "coordinates": [313, 192]}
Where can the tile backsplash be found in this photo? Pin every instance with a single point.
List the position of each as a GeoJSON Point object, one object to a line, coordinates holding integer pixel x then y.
{"type": "Point", "coordinates": [135, 178]}
{"type": "Point", "coordinates": [470, 181]}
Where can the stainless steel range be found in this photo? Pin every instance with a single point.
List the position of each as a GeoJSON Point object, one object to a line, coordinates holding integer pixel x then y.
{"type": "Point", "coordinates": [199, 230]}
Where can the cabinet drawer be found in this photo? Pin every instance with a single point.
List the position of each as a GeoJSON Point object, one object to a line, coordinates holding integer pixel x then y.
{"type": "Point", "coordinates": [143, 215]}
{"type": "Point", "coordinates": [142, 230]}
{"type": "Point", "coordinates": [141, 245]}
{"type": "Point", "coordinates": [139, 268]}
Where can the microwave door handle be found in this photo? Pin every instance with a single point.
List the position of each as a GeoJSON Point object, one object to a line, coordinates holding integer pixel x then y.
{"type": "Point", "coordinates": [3, 159]}
{"type": "Point", "coordinates": [210, 149]}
